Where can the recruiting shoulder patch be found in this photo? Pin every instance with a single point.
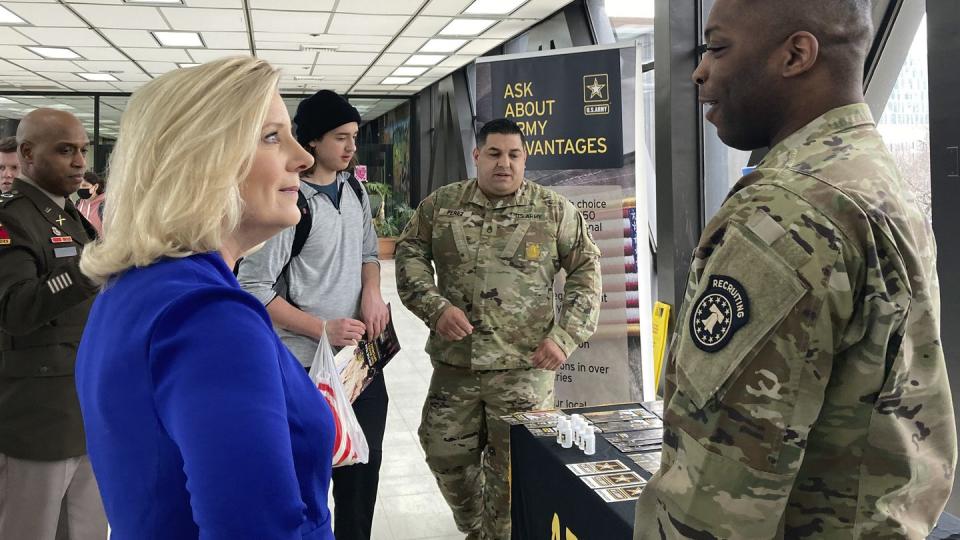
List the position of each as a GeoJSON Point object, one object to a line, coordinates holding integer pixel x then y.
{"type": "Point", "coordinates": [720, 311]}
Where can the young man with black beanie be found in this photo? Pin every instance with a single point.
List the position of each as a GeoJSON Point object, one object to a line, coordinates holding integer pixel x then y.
{"type": "Point", "coordinates": [332, 285]}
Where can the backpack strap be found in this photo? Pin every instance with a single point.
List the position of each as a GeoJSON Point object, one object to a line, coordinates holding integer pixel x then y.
{"type": "Point", "coordinates": [302, 231]}
{"type": "Point", "coordinates": [357, 188]}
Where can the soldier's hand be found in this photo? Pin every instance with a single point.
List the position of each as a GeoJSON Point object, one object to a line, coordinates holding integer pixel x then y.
{"type": "Point", "coordinates": [453, 324]}
{"type": "Point", "coordinates": [374, 313]}
{"type": "Point", "coordinates": [344, 332]}
{"type": "Point", "coordinates": [548, 355]}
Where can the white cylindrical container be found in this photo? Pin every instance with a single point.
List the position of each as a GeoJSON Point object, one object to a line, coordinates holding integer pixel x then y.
{"type": "Point", "coordinates": [590, 442]}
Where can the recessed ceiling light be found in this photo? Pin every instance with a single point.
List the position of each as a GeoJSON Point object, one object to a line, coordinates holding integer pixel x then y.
{"type": "Point", "coordinates": [397, 80]}
{"type": "Point", "coordinates": [466, 27]}
{"type": "Point", "coordinates": [409, 71]}
{"type": "Point", "coordinates": [493, 7]}
{"type": "Point", "coordinates": [178, 39]}
{"type": "Point", "coordinates": [187, 64]}
{"type": "Point", "coordinates": [442, 45]}
{"type": "Point", "coordinates": [425, 59]}
{"type": "Point", "coordinates": [319, 47]}
{"type": "Point", "coordinates": [308, 77]}
{"type": "Point", "coordinates": [8, 17]}
{"type": "Point", "coordinates": [55, 52]}
{"type": "Point", "coordinates": [97, 76]}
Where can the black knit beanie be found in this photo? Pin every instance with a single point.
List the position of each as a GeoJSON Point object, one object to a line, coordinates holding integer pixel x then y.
{"type": "Point", "coordinates": [321, 113]}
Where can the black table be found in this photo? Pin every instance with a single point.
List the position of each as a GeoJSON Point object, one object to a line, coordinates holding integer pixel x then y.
{"type": "Point", "coordinates": [548, 499]}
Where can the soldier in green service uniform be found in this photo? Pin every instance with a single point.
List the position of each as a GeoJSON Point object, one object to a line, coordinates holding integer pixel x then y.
{"type": "Point", "coordinates": [806, 394]}
{"type": "Point", "coordinates": [44, 301]}
{"type": "Point", "coordinates": [497, 242]}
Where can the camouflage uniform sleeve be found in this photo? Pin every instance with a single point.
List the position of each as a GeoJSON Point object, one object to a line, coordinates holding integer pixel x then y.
{"type": "Point", "coordinates": [765, 310]}
{"type": "Point", "coordinates": [414, 257]}
{"type": "Point", "coordinates": [580, 257]}
{"type": "Point", "coordinates": [28, 298]}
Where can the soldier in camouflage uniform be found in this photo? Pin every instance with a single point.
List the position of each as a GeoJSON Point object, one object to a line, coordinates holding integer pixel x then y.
{"type": "Point", "coordinates": [806, 394]}
{"type": "Point", "coordinates": [497, 243]}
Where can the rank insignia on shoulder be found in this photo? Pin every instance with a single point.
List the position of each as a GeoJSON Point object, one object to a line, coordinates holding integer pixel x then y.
{"type": "Point", "coordinates": [722, 310]}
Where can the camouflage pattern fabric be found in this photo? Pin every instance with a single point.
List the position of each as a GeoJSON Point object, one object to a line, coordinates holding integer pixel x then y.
{"type": "Point", "coordinates": [496, 260]}
{"type": "Point", "coordinates": [806, 394]}
{"type": "Point", "coordinates": [468, 445]}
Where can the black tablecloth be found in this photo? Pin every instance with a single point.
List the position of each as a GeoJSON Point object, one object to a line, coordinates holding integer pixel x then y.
{"type": "Point", "coordinates": [547, 497]}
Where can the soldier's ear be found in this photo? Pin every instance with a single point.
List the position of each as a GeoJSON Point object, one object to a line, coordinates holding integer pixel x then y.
{"type": "Point", "coordinates": [26, 152]}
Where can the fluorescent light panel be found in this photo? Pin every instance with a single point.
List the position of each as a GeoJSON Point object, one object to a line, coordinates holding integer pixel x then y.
{"type": "Point", "coordinates": [178, 39]}
{"type": "Point", "coordinates": [466, 27]}
{"type": "Point", "coordinates": [59, 53]}
{"type": "Point", "coordinates": [409, 71]}
{"type": "Point", "coordinates": [442, 45]}
{"type": "Point", "coordinates": [397, 80]}
{"type": "Point", "coordinates": [187, 65]}
{"type": "Point", "coordinates": [425, 59]}
{"type": "Point", "coordinates": [308, 77]}
{"type": "Point", "coordinates": [97, 76]}
{"type": "Point", "coordinates": [493, 7]}
{"type": "Point", "coordinates": [8, 17]}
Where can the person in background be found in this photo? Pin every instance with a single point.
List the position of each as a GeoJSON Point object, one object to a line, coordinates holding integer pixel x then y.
{"type": "Point", "coordinates": [92, 194]}
{"type": "Point", "coordinates": [497, 242]}
{"type": "Point", "coordinates": [200, 422]}
{"type": "Point", "coordinates": [9, 163]}
{"type": "Point", "coordinates": [806, 393]}
{"type": "Point", "coordinates": [46, 484]}
{"type": "Point", "coordinates": [332, 286]}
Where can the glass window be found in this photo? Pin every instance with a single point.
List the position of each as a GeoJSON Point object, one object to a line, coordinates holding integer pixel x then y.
{"type": "Point", "coordinates": [905, 123]}
{"type": "Point", "coordinates": [624, 20]}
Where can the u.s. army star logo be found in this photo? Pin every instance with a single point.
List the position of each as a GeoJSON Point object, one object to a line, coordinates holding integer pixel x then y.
{"type": "Point", "coordinates": [721, 310]}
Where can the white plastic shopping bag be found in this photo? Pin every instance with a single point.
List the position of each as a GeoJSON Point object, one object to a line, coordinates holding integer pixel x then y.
{"type": "Point", "coordinates": [350, 445]}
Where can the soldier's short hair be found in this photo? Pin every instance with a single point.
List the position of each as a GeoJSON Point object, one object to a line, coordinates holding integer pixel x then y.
{"type": "Point", "coordinates": [843, 28]}
{"type": "Point", "coordinates": [174, 179]}
{"type": "Point", "coordinates": [502, 126]}
{"type": "Point", "coordinates": [8, 145]}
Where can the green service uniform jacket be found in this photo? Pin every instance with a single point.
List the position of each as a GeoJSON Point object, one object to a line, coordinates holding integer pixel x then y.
{"type": "Point", "coordinates": [806, 393]}
{"type": "Point", "coordinates": [44, 300]}
{"type": "Point", "coordinates": [496, 260]}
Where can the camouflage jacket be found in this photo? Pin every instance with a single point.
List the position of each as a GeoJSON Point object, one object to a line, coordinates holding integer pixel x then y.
{"type": "Point", "coordinates": [496, 260]}
{"type": "Point", "coordinates": [806, 394]}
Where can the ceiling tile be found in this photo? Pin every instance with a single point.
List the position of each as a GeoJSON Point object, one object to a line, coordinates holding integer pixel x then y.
{"type": "Point", "coordinates": [13, 52]}
{"type": "Point", "coordinates": [125, 17]}
{"type": "Point", "coordinates": [292, 21]}
{"type": "Point", "coordinates": [426, 26]}
{"type": "Point", "coordinates": [226, 40]}
{"type": "Point", "coordinates": [205, 20]}
{"type": "Point", "coordinates": [406, 44]}
{"type": "Point", "coordinates": [45, 14]}
{"type": "Point", "coordinates": [104, 65]}
{"type": "Point", "coordinates": [158, 68]}
{"type": "Point", "coordinates": [288, 57]}
{"type": "Point", "coordinates": [127, 86]}
{"type": "Point", "coordinates": [479, 46]}
{"type": "Point", "coordinates": [457, 60]}
{"type": "Point", "coordinates": [334, 39]}
{"type": "Point", "coordinates": [539, 9]}
{"type": "Point", "coordinates": [63, 37]}
{"type": "Point", "coordinates": [380, 71]}
{"type": "Point", "coordinates": [381, 25]}
{"type": "Point", "coordinates": [206, 55]}
{"type": "Point", "coordinates": [9, 36]}
{"type": "Point", "coordinates": [345, 58]}
{"type": "Point", "coordinates": [131, 38]}
{"type": "Point", "coordinates": [440, 71]}
{"type": "Point", "coordinates": [111, 2]}
{"type": "Point", "coordinates": [63, 66]}
{"type": "Point", "coordinates": [333, 70]}
{"type": "Point", "coordinates": [508, 28]}
{"type": "Point", "coordinates": [234, 4]}
{"type": "Point", "coordinates": [98, 53]}
{"type": "Point", "coordinates": [61, 76]}
{"type": "Point", "coordinates": [392, 59]}
{"type": "Point", "coordinates": [293, 5]}
{"type": "Point", "coordinates": [381, 7]}
{"type": "Point", "coordinates": [359, 47]}
{"type": "Point", "coordinates": [134, 77]}
{"type": "Point", "coordinates": [158, 54]}
{"type": "Point", "coordinates": [446, 7]}
{"type": "Point", "coordinates": [276, 46]}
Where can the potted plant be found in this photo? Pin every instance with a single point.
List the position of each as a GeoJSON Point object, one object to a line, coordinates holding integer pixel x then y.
{"type": "Point", "coordinates": [390, 215]}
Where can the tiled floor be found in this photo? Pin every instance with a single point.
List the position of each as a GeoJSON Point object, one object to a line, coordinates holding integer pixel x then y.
{"type": "Point", "coordinates": [409, 504]}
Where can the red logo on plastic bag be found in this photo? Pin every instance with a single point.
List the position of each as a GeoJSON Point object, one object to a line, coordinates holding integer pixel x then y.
{"type": "Point", "coordinates": [342, 446]}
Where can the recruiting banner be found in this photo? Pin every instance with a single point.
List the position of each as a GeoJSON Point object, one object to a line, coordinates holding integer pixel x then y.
{"type": "Point", "coordinates": [577, 110]}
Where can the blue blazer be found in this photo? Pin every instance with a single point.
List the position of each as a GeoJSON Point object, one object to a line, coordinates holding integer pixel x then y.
{"type": "Point", "coordinates": [199, 422]}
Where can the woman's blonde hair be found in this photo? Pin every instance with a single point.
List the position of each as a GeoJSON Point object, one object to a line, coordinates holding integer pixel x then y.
{"type": "Point", "coordinates": [186, 143]}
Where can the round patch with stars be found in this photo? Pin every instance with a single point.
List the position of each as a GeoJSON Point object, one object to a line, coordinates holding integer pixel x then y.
{"type": "Point", "coordinates": [720, 311]}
